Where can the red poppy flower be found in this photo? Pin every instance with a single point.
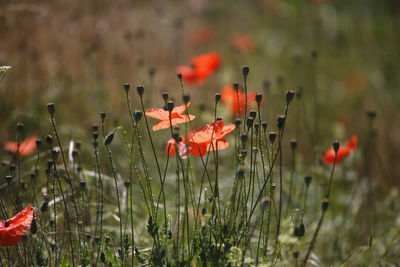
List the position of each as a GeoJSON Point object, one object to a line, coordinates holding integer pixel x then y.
{"type": "Point", "coordinates": [344, 151]}
{"type": "Point", "coordinates": [182, 149]}
{"type": "Point", "coordinates": [26, 147]}
{"type": "Point", "coordinates": [243, 43]}
{"type": "Point", "coordinates": [199, 36]}
{"type": "Point", "coordinates": [12, 230]}
{"type": "Point", "coordinates": [163, 115]}
{"type": "Point", "coordinates": [200, 67]}
{"type": "Point", "coordinates": [229, 98]}
{"type": "Point", "coordinates": [206, 139]}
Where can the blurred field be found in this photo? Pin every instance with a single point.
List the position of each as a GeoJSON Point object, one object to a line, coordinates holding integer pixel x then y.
{"type": "Point", "coordinates": [78, 54]}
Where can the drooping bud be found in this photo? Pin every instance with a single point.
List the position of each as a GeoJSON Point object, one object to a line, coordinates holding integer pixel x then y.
{"type": "Point", "coordinates": [109, 138]}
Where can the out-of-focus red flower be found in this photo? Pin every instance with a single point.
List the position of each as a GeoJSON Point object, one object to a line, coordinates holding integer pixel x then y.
{"type": "Point", "coordinates": [211, 137]}
{"type": "Point", "coordinates": [344, 151]}
{"type": "Point", "coordinates": [181, 146]}
{"type": "Point", "coordinates": [243, 43]}
{"type": "Point", "coordinates": [26, 147]}
{"type": "Point", "coordinates": [229, 98]}
{"type": "Point", "coordinates": [12, 230]}
{"type": "Point", "coordinates": [199, 36]}
{"type": "Point", "coordinates": [200, 68]}
{"type": "Point", "coordinates": [163, 116]}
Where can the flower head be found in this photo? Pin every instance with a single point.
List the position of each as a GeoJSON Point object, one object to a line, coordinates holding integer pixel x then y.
{"type": "Point", "coordinates": [200, 67]}
{"type": "Point", "coordinates": [181, 146]}
{"type": "Point", "coordinates": [177, 116]}
{"type": "Point", "coordinates": [12, 230]}
{"type": "Point", "coordinates": [211, 137]}
{"type": "Point", "coordinates": [343, 152]}
{"type": "Point", "coordinates": [26, 147]}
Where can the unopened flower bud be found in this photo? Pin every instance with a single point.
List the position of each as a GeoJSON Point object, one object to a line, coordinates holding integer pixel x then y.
{"type": "Point", "coordinates": [51, 108]}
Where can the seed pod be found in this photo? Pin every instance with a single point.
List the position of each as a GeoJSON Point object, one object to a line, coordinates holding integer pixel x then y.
{"type": "Point", "coordinates": [103, 115]}
{"type": "Point", "coordinates": [186, 99]}
{"type": "Point", "coordinates": [245, 70]}
{"type": "Point", "coordinates": [249, 122]}
{"type": "Point", "coordinates": [259, 98]}
{"type": "Point", "coordinates": [49, 139]}
{"type": "Point", "coordinates": [264, 125]}
{"type": "Point", "coordinates": [217, 97]}
{"type": "Point", "coordinates": [293, 144]}
{"type": "Point", "coordinates": [95, 127]}
{"type": "Point", "coordinates": [179, 75]}
{"type": "Point", "coordinates": [51, 108]}
{"type": "Point", "coordinates": [336, 146]}
{"type": "Point", "coordinates": [127, 183]}
{"type": "Point", "coordinates": [170, 106]}
{"type": "Point", "coordinates": [289, 96]}
{"type": "Point", "coordinates": [137, 115]}
{"type": "Point", "coordinates": [235, 86]}
{"type": "Point", "coordinates": [102, 257]}
{"type": "Point", "coordinates": [140, 90]}
{"type": "Point", "coordinates": [252, 114]}
{"type": "Point", "coordinates": [238, 122]}
{"type": "Point", "coordinates": [325, 204]}
{"type": "Point", "coordinates": [165, 96]}
{"type": "Point", "coordinates": [109, 138]}
{"type": "Point", "coordinates": [127, 86]}
{"type": "Point", "coordinates": [33, 226]}
{"type": "Point", "coordinates": [281, 121]}
{"type": "Point", "coordinates": [272, 137]}
{"type": "Point", "coordinates": [307, 179]}
{"type": "Point", "coordinates": [44, 207]}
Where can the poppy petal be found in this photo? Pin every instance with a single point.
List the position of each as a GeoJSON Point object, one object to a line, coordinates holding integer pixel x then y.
{"type": "Point", "coordinates": [11, 147]}
{"type": "Point", "coordinates": [158, 114]}
{"type": "Point", "coordinates": [28, 146]}
{"type": "Point", "coordinates": [12, 230]}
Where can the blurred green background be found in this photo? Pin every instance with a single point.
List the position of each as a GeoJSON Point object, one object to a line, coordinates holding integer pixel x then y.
{"type": "Point", "coordinates": [78, 54]}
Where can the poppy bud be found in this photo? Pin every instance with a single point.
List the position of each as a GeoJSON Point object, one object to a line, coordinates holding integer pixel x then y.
{"type": "Point", "coordinates": [8, 179]}
{"type": "Point", "coordinates": [296, 254]}
{"type": "Point", "coordinates": [272, 137]}
{"type": "Point", "coordinates": [51, 108]}
{"type": "Point", "coordinates": [179, 76]}
{"type": "Point", "coordinates": [236, 86]}
{"type": "Point", "coordinates": [314, 54]}
{"type": "Point", "coordinates": [243, 137]}
{"type": "Point", "coordinates": [109, 138]}
{"type": "Point", "coordinates": [266, 85]}
{"type": "Point", "coordinates": [265, 202]}
{"type": "Point", "coordinates": [127, 86]}
{"type": "Point", "coordinates": [264, 125]}
{"type": "Point", "coordinates": [82, 184]}
{"type": "Point", "coordinates": [140, 90]}
{"type": "Point", "coordinates": [325, 204]}
{"type": "Point", "coordinates": [137, 115]}
{"type": "Point", "coordinates": [127, 183]}
{"type": "Point", "coordinates": [95, 127]}
{"type": "Point", "coordinates": [33, 226]}
{"type": "Point", "coordinates": [371, 114]}
{"type": "Point", "coordinates": [152, 72]}
{"type": "Point", "coordinates": [259, 98]}
{"type": "Point", "coordinates": [49, 139]}
{"type": "Point", "coordinates": [289, 96]}
{"type": "Point", "coordinates": [102, 257]}
{"type": "Point", "coordinates": [103, 115]}
{"type": "Point", "coordinates": [170, 106]}
{"type": "Point", "coordinates": [256, 126]}
{"type": "Point", "coordinates": [238, 122]}
{"type": "Point", "coordinates": [307, 179]}
{"type": "Point", "coordinates": [249, 122]}
{"type": "Point", "coordinates": [95, 135]}
{"type": "Point", "coordinates": [273, 186]}
{"type": "Point", "coordinates": [186, 99]}
{"type": "Point", "coordinates": [281, 121]}
{"type": "Point", "coordinates": [299, 92]}
{"type": "Point", "coordinates": [203, 211]}
{"type": "Point", "coordinates": [217, 97]}
{"type": "Point", "coordinates": [241, 171]}
{"type": "Point", "coordinates": [293, 144]}
{"type": "Point", "coordinates": [299, 231]}
{"type": "Point", "coordinates": [252, 114]}
{"type": "Point", "coordinates": [218, 119]}
{"type": "Point", "coordinates": [336, 146]}
{"type": "Point", "coordinates": [245, 70]}
{"type": "Point", "coordinates": [20, 126]}
{"type": "Point", "coordinates": [165, 96]}
{"type": "Point", "coordinates": [44, 207]}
